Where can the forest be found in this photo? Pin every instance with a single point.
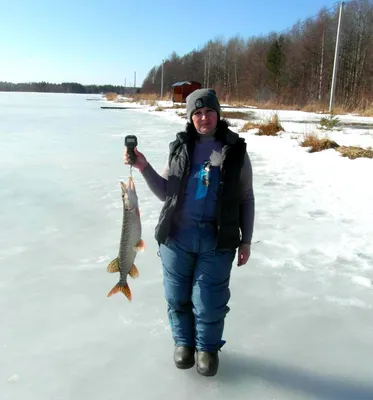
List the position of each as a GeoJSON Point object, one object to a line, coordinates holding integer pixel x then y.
{"type": "Point", "coordinates": [294, 67]}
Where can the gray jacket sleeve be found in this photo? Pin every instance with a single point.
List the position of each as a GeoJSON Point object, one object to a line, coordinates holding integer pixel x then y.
{"type": "Point", "coordinates": [157, 183]}
{"type": "Point", "coordinates": [247, 204]}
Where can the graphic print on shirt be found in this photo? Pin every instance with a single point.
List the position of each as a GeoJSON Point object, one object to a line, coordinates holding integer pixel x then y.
{"type": "Point", "coordinates": [204, 174]}
{"type": "Point", "coordinates": [203, 181]}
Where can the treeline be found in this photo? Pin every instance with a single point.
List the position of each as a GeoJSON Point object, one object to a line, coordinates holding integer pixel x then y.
{"type": "Point", "coordinates": [65, 87]}
{"type": "Point", "coordinates": [291, 68]}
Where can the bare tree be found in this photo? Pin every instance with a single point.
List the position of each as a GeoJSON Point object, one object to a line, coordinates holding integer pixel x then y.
{"type": "Point", "coordinates": [295, 68]}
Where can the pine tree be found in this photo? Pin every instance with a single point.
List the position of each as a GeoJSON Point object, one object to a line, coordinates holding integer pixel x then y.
{"type": "Point", "coordinates": [276, 62]}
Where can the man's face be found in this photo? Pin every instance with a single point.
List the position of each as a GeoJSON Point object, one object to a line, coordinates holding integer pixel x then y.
{"type": "Point", "coordinates": [205, 120]}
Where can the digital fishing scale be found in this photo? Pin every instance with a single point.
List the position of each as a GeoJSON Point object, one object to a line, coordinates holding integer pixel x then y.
{"type": "Point", "coordinates": [130, 142]}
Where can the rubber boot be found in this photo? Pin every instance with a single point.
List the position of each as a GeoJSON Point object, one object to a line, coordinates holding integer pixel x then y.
{"type": "Point", "coordinates": [184, 357]}
{"type": "Point", "coordinates": [207, 363]}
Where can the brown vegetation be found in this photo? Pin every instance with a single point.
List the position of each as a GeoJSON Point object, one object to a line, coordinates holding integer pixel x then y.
{"type": "Point", "coordinates": [249, 125]}
{"type": "Point", "coordinates": [354, 152]}
{"type": "Point", "coordinates": [110, 96]}
{"type": "Point", "coordinates": [270, 127]}
{"type": "Point", "coordinates": [314, 107]}
{"type": "Point", "coordinates": [145, 98]}
{"type": "Point", "coordinates": [318, 144]}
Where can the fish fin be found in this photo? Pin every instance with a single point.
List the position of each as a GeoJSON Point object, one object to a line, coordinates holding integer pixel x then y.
{"type": "Point", "coordinates": [140, 246]}
{"type": "Point", "coordinates": [113, 266]}
{"type": "Point", "coordinates": [125, 289]}
{"type": "Point", "coordinates": [133, 272]}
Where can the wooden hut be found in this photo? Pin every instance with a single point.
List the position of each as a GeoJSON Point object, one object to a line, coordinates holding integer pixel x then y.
{"type": "Point", "coordinates": [180, 90]}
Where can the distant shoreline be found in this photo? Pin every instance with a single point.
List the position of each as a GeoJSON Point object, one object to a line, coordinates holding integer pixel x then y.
{"type": "Point", "coordinates": [65, 87]}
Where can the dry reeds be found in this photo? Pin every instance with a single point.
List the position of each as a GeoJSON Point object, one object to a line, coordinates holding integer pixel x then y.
{"type": "Point", "coordinates": [353, 152]}
{"type": "Point", "coordinates": [364, 108]}
{"type": "Point", "coordinates": [318, 144]}
{"type": "Point", "coordinates": [270, 127]}
{"type": "Point", "coordinates": [249, 125]}
{"type": "Point", "coordinates": [110, 96]}
{"type": "Point", "coordinates": [367, 112]}
{"type": "Point", "coordinates": [145, 98]}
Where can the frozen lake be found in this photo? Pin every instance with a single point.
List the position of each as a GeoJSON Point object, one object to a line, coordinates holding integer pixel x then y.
{"type": "Point", "coordinates": [301, 319]}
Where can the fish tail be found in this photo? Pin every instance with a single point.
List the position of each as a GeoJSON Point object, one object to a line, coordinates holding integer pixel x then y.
{"type": "Point", "coordinates": [120, 287]}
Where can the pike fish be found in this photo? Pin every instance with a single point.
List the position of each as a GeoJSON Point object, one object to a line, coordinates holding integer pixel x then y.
{"type": "Point", "coordinates": [130, 241]}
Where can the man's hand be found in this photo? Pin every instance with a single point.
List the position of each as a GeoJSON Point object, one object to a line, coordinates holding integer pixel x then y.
{"type": "Point", "coordinates": [244, 252]}
{"type": "Point", "coordinates": [141, 161]}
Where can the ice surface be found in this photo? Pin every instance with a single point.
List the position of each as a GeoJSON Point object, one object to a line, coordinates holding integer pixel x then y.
{"type": "Point", "coordinates": [301, 320]}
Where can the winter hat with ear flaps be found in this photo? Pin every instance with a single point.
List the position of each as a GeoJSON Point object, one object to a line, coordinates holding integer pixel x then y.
{"type": "Point", "coordinates": [202, 98]}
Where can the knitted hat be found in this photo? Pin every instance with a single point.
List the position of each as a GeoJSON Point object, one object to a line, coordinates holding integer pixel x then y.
{"type": "Point", "coordinates": [202, 98]}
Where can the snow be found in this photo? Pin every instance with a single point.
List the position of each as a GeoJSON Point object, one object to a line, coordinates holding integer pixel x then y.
{"type": "Point", "coordinates": [301, 320]}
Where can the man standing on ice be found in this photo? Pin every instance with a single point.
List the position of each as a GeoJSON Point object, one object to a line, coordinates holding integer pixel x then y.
{"type": "Point", "coordinates": [208, 214]}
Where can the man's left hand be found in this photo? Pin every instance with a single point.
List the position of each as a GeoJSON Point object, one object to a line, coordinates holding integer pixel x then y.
{"type": "Point", "coordinates": [244, 252]}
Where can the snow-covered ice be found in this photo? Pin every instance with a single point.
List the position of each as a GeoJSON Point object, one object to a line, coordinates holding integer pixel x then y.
{"type": "Point", "coordinates": [301, 319]}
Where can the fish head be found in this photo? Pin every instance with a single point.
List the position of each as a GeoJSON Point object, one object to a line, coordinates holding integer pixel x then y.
{"type": "Point", "coordinates": [129, 196]}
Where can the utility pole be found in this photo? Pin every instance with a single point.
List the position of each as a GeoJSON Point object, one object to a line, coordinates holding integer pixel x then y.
{"type": "Point", "coordinates": [335, 68]}
{"type": "Point", "coordinates": [162, 81]}
{"type": "Point", "coordinates": [322, 63]}
{"type": "Point", "coordinates": [134, 85]}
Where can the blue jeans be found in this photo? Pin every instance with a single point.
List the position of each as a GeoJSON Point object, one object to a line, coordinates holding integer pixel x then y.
{"type": "Point", "coordinates": [196, 283]}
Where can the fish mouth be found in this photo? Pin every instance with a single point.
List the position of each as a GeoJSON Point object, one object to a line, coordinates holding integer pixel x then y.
{"type": "Point", "coordinates": [131, 184]}
{"type": "Point", "coordinates": [129, 195]}
{"type": "Point", "coordinates": [123, 186]}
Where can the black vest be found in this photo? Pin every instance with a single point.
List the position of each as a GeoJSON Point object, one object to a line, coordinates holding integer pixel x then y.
{"type": "Point", "coordinates": [228, 201]}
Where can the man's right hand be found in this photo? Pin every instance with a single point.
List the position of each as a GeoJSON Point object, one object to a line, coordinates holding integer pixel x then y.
{"type": "Point", "coordinates": [141, 161]}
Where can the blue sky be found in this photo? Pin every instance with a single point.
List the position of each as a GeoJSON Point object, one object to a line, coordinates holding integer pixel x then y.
{"type": "Point", "coordinates": [106, 41]}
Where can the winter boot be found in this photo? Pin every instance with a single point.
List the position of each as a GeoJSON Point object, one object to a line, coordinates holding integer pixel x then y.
{"type": "Point", "coordinates": [207, 363]}
{"type": "Point", "coordinates": [184, 357]}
